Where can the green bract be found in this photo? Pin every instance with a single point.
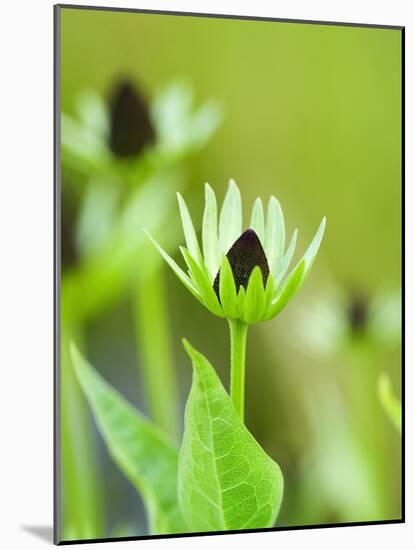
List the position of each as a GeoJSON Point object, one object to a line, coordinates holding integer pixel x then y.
{"type": "Point", "coordinates": [251, 286]}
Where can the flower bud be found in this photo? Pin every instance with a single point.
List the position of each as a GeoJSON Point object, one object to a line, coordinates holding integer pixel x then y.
{"type": "Point", "coordinates": [245, 253]}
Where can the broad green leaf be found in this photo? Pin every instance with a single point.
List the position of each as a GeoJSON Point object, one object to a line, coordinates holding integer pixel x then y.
{"type": "Point", "coordinates": [283, 264]}
{"type": "Point", "coordinates": [177, 270]}
{"type": "Point", "coordinates": [227, 290]}
{"type": "Point", "coordinates": [142, 451]}
{"type": "Point", "coordinates": [230, 220]}
{"type": "Point", "coordinates": [203, 283]}
{"type": "Point", "coordinates": [257, 220]}
{"type": "Point", "coordinates": [226, 480]}
{"type": "Point", "coordinates": [210, 232]}
{"type": "Point", "coordinates": [390, 403]}
{"type": "Point", "coordinates": [255, 298]}
{"type": "Point", "coordinates": [275, 232]}
{"type": "Point", "coordinates": [188, 230]}
{"type": "Point", "coordinates": [290, 287]}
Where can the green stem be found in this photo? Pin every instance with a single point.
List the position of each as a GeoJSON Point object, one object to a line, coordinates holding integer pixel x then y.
{"type": "Point", "coordinates": [369, 436]}
{"type": "Point", "coordinates": [154, 348]}
{"type": "Point", "coordinates": [238, 331]}
{"type": "Point", "coordinates": [81, 492]}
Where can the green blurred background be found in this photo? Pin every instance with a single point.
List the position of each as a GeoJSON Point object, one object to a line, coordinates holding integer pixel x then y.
{"type": "Point", "coordinates": [311, 114]}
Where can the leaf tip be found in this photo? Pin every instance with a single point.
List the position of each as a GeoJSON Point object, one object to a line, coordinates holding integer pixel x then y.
{"type": "Point", "coordinates": [187, 346]}
{"type": "Point", "coordinates": [199, 361]}
{"type": "Point", "coordinates": [190, 350]}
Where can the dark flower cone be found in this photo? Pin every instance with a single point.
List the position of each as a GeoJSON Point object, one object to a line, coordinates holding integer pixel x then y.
{"type": "Point", "coordinates": [130, 125]}
{"type": "Point", "coordinates": [358, 313]}
{"type": "Point", "coordinates": [245, 253]}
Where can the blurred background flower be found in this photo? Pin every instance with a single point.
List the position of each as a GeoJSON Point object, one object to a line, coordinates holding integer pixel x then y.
{"type": "Point", "coordinates": [154, 104]}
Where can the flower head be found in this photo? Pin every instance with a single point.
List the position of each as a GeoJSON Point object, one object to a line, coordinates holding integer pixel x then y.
{"type": "Point", "coordinates": [241, 274]}
{"type": "Point", "coordinates": [131, 128]}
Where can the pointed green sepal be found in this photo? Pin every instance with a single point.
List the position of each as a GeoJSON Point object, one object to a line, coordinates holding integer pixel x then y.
{"type": "Point", "coordinates": [298, 275]}
{"type": "Point", "coordinates": [177, 270]}
{"type": "Point", "coordinates": [202, 282]}
{"type": "Point", "coordinates": [241, 301]}
{"type": "Point", "coordinates": [189, 230]}
{"type": "Point", "coordinates": [227, 290]}
{"type": "Point", "coordinates": [289, 288]}
{"type": "Point", "coordinates": [254, 306]}
{"type": "Point", "coordinates": [269, 292]}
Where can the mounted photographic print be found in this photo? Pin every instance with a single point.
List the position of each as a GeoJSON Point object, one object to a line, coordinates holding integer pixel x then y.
{"type": "Point", "coordinates": [228, 339]}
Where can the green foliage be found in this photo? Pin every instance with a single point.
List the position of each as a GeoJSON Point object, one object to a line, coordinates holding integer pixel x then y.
{"type": "Point", "coordinates": [139, 448]}
{"type": "Point", "coordinates": [226, 481]}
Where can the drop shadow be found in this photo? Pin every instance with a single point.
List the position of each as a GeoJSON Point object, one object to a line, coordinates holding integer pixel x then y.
{"type": "Point", "coordinates": [43, 532]}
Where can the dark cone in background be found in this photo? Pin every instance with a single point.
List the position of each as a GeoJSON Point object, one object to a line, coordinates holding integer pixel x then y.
{"type": "Point", "coordinates": [358, 312]}
{"type": "Point", "coordinates": [130, 124]}
{"type": "Point", "coordinates": [245, 253]}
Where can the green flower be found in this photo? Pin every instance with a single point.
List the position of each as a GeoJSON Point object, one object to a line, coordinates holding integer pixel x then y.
{"type": "Point", "coordinates": [241, 275]}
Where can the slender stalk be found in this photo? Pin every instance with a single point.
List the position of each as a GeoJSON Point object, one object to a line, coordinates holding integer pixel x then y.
{"type": "Point", "coordinates": [81, 492]}
{"type": "Point", "coordinates": [368, 435]}
{"type": "Point", "coordinates": [154, 348]}
{"type": "Point", "coordinates": [238, 332]}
